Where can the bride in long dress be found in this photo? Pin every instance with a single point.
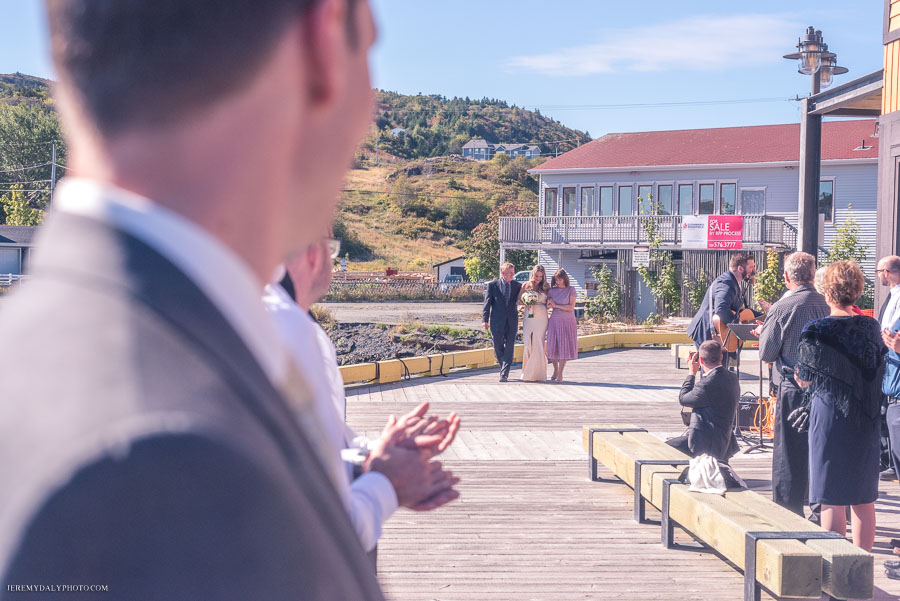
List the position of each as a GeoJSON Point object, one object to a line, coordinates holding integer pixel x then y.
{"type": "Point", "coordinates": [534, 327]}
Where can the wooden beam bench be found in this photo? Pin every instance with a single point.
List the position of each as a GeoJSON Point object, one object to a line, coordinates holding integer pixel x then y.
{"type": "Point", "coordinates": [777, 549]}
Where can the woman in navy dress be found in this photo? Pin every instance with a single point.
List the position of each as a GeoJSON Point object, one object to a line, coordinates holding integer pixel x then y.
{"type": "Point", "coordinates": [841, 363]}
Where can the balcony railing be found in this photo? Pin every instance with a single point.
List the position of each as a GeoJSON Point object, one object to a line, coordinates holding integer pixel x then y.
{"type": "Point", "coordinates": [759, 230]}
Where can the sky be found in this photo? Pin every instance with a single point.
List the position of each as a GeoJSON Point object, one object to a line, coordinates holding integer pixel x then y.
{"type": "Point", "coordinates": [596, 65]}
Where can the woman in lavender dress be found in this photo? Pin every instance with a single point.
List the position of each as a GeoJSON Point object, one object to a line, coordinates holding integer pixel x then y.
{"type": "Point", "coordinates": [562, 331]}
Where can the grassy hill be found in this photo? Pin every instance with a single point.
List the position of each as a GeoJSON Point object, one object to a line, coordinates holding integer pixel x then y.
{"type": "Point", "coordinates": [413, 214]}
{"type": "Point", "coordinates": [18, 87]}
{"type": "Point", "coordinates": [437, 126]}
{"type": "Point", "coordinates": [407, 213]}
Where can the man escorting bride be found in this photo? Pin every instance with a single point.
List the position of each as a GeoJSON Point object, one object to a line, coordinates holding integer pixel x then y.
{"type": "Point", "coordinates": [534, 325]}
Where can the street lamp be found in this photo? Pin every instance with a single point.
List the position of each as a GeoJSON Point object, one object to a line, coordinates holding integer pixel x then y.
{"type": "Point", "coordinates": [814, 60]}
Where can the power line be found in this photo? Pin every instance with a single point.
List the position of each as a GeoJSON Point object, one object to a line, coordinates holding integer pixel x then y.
{"type": "Point", "coordinates": [25, 168]}
{"type": "Point", "coordinates": [430, 195]}
{"type": "Point", "coordinates": [581, 107]}
{"type": "Point", "coordinates": [584, 107]}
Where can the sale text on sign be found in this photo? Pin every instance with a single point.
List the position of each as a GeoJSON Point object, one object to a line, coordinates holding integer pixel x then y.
{"type": "Point", "coordinates": [724, 232]}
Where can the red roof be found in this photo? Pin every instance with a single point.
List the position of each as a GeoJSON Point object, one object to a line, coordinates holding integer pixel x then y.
{"type": "Point", "coordinates": [725, 145]}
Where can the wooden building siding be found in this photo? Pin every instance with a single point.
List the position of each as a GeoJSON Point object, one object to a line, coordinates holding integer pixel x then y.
{"type": "Point", "coordinates": [854, 184]}
{"type": "Point", "coordinates": [894, 16]}
{"type": "Point", "coordinates": [890, 95]}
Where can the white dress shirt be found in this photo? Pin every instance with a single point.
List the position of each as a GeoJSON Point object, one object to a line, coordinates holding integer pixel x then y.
{"type": "Point", "coordinates": [370, 499]}
{"type": "Point", "coordinates": [891, 313]}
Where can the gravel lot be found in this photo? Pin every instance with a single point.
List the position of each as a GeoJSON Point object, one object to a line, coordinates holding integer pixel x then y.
{"type": "Point", "coordinates": [430, 313]}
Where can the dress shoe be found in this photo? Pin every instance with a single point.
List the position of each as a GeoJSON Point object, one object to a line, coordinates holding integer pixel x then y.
{"type": "Point", "coordinates": [503, 378]}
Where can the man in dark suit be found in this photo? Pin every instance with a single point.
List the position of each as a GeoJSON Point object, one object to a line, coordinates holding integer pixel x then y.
{"type": "Point", "coordinates": [722, 301]}
{"type": "Point", "coordinates": [714, 401]}
{"type": "Point", "coordinates": [501, 316]}
{"type": "Point", "coordinates": [157, 441]}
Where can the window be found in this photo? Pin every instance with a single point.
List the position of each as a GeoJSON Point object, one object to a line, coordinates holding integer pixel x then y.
{"type": "Point", "coordinates": [727, 199]}
{"type": "Point", "coordinates": [587, 202]}
{"type": "Point", "coordinates": [606, 200]}
{"type": "Point", "coordinates": [826, 199]}
{"type": "Point", "coordinates": [707, 199]}
{"type": "Point", "coordinates": [664, 199]}
{"type": "Point", "coordinates": [569, 202]}
{"type": "Point", "coordinates": [686, 199]}
{"type": "Point", "coordinates": [646, 195]}
{"type": "Point", "coordinates": [753, 201]}
{"type": "Point", "coordinates": [625, 207]}
{"type": "Point", "coordinates": [550, 198]}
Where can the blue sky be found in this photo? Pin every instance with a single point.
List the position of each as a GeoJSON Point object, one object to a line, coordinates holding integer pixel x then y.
{"type": "Point", "coordinates": [573, 59]}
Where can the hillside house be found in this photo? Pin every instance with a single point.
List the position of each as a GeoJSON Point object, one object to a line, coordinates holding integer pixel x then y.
{"type": "Point", "coordinates": [15, 248]}
{"type": "Point", "coordinates": [594, 200]}
{"type": "Point", "coordinates": [454, 267]}
{"type": "Point", "coordinates": [481, 150]}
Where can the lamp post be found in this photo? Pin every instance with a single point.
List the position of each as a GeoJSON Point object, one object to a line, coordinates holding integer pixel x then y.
{"type": "Point", "coordinates": [815, 60]}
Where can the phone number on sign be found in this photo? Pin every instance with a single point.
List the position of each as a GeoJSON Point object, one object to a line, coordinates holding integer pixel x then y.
{"type": "Point", "coordinates": [723, 244]}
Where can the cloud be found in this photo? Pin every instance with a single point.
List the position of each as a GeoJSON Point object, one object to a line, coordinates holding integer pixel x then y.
{"type": "Point", "coordinates": [700, 43]}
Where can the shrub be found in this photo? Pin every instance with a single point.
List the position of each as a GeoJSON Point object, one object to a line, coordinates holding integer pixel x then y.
{"type": "Point", "coordinates": [607, 303]}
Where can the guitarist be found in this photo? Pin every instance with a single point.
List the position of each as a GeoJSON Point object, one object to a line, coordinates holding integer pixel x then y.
{"type": "Point", "coordinates": [722, 303]}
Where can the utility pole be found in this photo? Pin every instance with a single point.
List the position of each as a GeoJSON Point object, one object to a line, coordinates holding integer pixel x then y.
{"type": "Point", "coordinates": [810, 157]}
{"type": "Point", "coordinates": [53, 172]}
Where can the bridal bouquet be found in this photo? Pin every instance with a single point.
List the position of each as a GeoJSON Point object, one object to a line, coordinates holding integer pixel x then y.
{"type": "Point", "coordinates": [530, 299]}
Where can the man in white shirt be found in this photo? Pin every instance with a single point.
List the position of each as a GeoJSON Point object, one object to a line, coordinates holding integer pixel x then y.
{"type": "Point", "coordinates": [373, 497]}
{"type": "Point", "coordinates": [151, 442]}
{"type": "Point", "coordinates": [888, 272]}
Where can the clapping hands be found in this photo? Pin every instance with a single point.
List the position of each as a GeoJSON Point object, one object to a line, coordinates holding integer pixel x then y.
{"type": "Point", "coordinates": [891, 340]}
{"type": "Point", "coordinates": [404, 455]}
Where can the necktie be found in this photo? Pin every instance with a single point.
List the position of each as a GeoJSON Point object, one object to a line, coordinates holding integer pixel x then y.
{"type": "Point", "coordinates": [506, 290]}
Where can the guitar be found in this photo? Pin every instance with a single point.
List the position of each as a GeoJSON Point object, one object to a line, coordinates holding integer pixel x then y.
{"type": "Point", "coordinates": [729, 340]}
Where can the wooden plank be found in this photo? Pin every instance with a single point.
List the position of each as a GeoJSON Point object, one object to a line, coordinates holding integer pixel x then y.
{"type": "Point", "coordinates": [847, 570]}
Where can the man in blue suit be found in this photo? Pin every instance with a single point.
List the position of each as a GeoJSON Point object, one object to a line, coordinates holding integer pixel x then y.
{"type": "Point", "coordinates": [501, 317]}
{"type": "Point", "coordinates": [722, 301]}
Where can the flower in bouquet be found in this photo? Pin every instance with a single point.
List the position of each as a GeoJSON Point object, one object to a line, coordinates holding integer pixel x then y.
{"type": "Point", "coordinates": [530, 299]}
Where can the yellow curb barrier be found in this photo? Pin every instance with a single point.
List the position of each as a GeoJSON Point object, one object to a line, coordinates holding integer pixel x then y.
{"type": "Point", "coordinates": [393, 370]}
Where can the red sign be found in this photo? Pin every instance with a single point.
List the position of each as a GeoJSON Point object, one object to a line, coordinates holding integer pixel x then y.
{"type": "Point", "coordinates": [725, 232]}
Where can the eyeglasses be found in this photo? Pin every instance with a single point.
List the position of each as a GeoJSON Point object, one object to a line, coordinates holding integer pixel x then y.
{"type": "Point", "coordinates": [334, 247]}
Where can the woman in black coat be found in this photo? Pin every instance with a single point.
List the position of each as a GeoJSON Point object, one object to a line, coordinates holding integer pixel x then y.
{"type": "Point", "coordinates": [841, 363]}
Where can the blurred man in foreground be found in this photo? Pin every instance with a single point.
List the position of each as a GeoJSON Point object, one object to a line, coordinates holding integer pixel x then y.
{"type": "Point", "coordinates": [147, 443]}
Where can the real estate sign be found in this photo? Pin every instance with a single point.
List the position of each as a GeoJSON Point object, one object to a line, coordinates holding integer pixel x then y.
{"type": "Point", "coordinates": [712, 232]}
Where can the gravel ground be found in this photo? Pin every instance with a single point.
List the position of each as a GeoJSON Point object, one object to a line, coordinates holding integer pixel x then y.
{"type": "Point", "coordinates": [364, 343]}
{"type": "Point", "coordinates": [466, 315]}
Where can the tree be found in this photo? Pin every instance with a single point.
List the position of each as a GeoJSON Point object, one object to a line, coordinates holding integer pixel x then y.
{"type": "Point", "coordinates": [483, 248]}
{"type": "Point", "coordinates": [27, 134]}
{"type": "Point", "coordinates": [465, 213]}
{"type": "Point", "coordinates": [18, 210]}
{"type": "Point", "coordinates": [770, 283]}
{"type": "Point", "coordinates": [661, 276]}
{"type": "Point", "coordinates": [606, 304]}
{"type": "Point", "coordinates": [848, 245]}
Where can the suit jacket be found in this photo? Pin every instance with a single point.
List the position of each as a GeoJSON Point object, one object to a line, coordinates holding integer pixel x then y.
{"type": "Point", "coordinates": [497, 311]}
{"type": "Point", "coordinates": [714, 401]}
{"type": "Point", "coordinates": [724, 296]}
{"type": "Point", "coordinates": [149, 452]}
{"type": "Point", "coordinates": [884, 306]}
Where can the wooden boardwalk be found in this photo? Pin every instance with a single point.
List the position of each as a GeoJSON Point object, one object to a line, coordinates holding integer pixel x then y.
{"type": "Point", "coordinates": [530, 525]}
